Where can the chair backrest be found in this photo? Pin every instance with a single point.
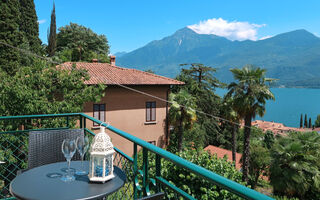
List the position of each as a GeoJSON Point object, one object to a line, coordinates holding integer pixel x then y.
{"type": "Point", "coordinates": [45, 147]}
{"type": "Point", "coordinates": [156, 196]}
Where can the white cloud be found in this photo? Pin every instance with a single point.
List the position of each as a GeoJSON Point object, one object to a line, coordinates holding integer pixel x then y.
{"type": "Point", "coordinates": [232, 30]}
{"type": "Point", "coordinates": [266, 37]}
{"type": "Point", "coordinates": [41, 21]}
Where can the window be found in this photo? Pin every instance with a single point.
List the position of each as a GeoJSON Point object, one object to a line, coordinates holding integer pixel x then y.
{"type": "Point", "coordinates": [99, 113]}
{"type": "Point", "coordinates": [151, 111]}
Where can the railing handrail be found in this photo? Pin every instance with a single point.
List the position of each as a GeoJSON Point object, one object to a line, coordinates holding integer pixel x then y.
{"type": "Point", "coordinates": [40, 116]}
{"type": "Point", "coordinates": [209, 175]}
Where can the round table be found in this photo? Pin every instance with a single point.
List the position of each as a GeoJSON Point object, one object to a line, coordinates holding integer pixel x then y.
{"type": "Point", "coordinates": [36, 183]}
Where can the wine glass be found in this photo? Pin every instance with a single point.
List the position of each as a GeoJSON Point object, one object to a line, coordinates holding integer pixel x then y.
{"type": "Point", "coordinates": [82, 146]}
{"type": "Point", "coordinates": [68, 150]}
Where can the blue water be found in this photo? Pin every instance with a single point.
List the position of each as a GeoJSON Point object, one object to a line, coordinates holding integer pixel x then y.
{"type": "Point", "coordinates": [290, 103]}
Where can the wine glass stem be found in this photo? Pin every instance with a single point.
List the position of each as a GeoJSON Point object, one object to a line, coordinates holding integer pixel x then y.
{"type": "Point", "coordinates": [69, 174]}
{"type": "Point", "coordinates": [82, 162]}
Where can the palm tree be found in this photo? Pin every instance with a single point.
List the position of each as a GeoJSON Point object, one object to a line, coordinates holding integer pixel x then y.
{"type": "Point", "coordinates": [249, 94]}
{"type": "Point", "coordinates": [230, 114]}
{"type": "Point", "coordinates": [182, 114]}
{"type": "Point", "coordinates": [295, 167]}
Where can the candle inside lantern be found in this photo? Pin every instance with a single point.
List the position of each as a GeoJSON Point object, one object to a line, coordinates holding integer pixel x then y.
{"type": "Point", "coordinates": [99, 170]}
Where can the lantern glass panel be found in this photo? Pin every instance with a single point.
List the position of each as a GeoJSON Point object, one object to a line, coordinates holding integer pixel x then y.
{"type": "Point", "coordinates": [108, 165]}
{"type": "Point", "coordinates": [98, 166]}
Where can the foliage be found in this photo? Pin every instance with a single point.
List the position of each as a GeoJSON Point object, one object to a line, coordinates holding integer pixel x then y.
{"type": "Point", "coordinates": [249, 94]}
{"type": "Point", "coordinates": [260, 160]}
{"type": "Point", "coordinates": [228, 113]}
{"type": "Point", "coordinates": [269, 139]}
{"type": "Point", "coordinates": [181, 114]}
{"type": "Point", "coordinates": [191, 183]}
{"type": "Point", "coordinates": [83, 43]}
{"type": "Point", "coordinates": [295, 167]}
{"type": "Point", "coordinates": [149, 71]}
{"type": "Point", "coordinates": [10, 59]}
{"type": "Point", "coordinates": [301, 121]}
{"type": "Point", "coordinates": [40, 89]}
{"type": "Point", "coordinates": [256, 134]}
{"type": "Point", "coordinates": [310, 123]}
{"type": "Point", "coordinates": [52, 35]}
{"type": "Point", "coordinates": [317, 122]}
{"type": "Point", "coordinates": [28, 24]}
{"type": "Point", "coordinates": [284, 198]}
{"type": "Point", "coordinates": [305, 121]}
{"type": "Point", "coordinates": [200, 82]}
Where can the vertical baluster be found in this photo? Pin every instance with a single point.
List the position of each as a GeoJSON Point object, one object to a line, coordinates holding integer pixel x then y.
{"type": "Point", "coordinates": [145, 172]}
{"type": "Point", "coordinates": [81, 124]}
{"type": "Point", "coordinates": [135, 171]}
{"type": "Point", "coordinates": [67, 121]}
{"type": "Point", "coordinates": [158, 172]}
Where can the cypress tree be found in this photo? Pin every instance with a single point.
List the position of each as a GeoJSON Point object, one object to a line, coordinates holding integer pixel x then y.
{"type": "Point", "coordinates": [305, 121]}
{"type": "Point", "coordinates": [10, 59]}
{"type": "Point", "coordinates": [301, 121]}
{"type": "Point", "coordinates": [52, 38]}
{"type": "Point", "coordinates": [310, 123]}
{"type": "Point", "coordinates": [29, 25]}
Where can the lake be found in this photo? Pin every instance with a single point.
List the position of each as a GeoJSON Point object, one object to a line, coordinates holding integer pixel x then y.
{"type": "Point", "coordinates": [290, 103]}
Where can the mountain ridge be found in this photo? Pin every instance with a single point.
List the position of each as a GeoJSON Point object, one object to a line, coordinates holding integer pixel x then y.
{"type": "Point", "coordinates": [290, 57]}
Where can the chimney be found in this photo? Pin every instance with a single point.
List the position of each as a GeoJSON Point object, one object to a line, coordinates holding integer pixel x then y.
{"type": "Point", "coordinates": [94, 60]}
{"type": "Point", "coordinates": [113, 60]}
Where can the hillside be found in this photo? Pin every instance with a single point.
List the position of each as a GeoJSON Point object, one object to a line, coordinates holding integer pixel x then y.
{"type": "Point", "coordinates": [293, 57]}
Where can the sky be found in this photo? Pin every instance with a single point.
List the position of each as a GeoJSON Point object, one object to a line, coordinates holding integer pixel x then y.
{"type": "Point", "coordinates": [131, 24]}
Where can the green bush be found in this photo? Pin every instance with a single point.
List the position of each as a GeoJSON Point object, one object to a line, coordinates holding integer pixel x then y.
{"type": "Point", "coordinates": [295, 167]}
{"type": "Point", "coordinates": [191, 183]}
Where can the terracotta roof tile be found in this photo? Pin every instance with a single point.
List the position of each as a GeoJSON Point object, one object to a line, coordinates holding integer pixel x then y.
{"type": "Point", "coordinates": [113, 75]}
{"type": "Point", "coordinates": [222, 152]}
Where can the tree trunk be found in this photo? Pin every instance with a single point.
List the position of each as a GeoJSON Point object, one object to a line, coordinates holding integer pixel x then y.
{"type": "Point", "coordinates": [256, 178]}
{"type": "Point", "coordinates": [246, 148]}
{"type": "Point", "coordinates": [234, 142]}
{"type": "Point", "coordinates": [181, 129]}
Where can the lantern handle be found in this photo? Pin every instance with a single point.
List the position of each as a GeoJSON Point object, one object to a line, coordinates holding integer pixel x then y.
{"type": "Point", "coordinates": [108, 124]}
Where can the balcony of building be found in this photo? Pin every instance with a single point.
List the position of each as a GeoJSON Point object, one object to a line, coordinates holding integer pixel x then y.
{"type": "Point", "coordinates": [143, 169]}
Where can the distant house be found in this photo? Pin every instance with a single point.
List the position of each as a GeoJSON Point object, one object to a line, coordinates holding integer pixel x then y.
{"type": "Point", "coordinates": [276, 128]}
{"type": "Point", "coordinates": [138, 114]}
{"type": "Point", "coordinates": [224, 152]}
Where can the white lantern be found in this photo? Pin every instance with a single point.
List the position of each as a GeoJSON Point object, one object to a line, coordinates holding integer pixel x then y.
{"type": "Point", "coordinates": [101, 158]}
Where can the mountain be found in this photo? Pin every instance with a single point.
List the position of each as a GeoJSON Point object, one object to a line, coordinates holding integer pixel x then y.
{"type": "Point", "coordinates": [293, 57]}
{"type": "Point", "coordinates": [119, 54]}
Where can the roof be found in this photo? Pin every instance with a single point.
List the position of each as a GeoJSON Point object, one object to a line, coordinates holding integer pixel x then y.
{"type": "Point", "coordinates": [276, 128]}
{"type": "Point", "coordinates": [222, 152]}
{"type": "Point", "coordinates": [106, 73]}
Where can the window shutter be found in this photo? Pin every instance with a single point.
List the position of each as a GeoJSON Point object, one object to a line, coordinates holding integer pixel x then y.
{"type": "Point", "coordinates": [102, 113]}
{"type": "Point", "coordinates": [95, 113]}
{"type": "Point", "coordinates": [153, 117]}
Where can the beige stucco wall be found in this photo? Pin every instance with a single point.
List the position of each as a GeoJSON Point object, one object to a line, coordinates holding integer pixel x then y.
{"type": "Point", "coordinates": [126, 110]}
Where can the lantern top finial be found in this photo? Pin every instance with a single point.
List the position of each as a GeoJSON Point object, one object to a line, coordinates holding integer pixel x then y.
{"type": "Point", "coordinates": [101, 143]}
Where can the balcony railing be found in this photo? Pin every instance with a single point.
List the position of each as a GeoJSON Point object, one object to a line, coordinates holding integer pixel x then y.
{"type": "Point", "coordinates": [140, 182]}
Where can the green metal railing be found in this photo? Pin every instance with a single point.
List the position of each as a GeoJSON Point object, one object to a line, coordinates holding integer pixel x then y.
{"type": "Point", "coordinates": [139, 181]}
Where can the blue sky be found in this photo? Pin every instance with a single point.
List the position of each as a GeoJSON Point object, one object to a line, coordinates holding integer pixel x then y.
{"type": "Point", "coordinates": [130, 24]}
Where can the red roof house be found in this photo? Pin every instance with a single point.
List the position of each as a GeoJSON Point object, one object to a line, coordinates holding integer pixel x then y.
{"type": "Point", "coordinates": [144, 116]}
{"type": "Point", "coordinates": [222, 152]}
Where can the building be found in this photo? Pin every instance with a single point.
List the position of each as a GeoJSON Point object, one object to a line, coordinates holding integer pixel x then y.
{"type": "Point", "coordinates": [276, 128]}
{"type": "Point", "coordinates": [135, 113]}
{"type": "Point", "coordinates": [224, 152]}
